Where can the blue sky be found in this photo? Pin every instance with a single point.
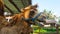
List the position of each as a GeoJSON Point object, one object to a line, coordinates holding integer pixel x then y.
{"type": "Point", "coordinates": [49, 5]}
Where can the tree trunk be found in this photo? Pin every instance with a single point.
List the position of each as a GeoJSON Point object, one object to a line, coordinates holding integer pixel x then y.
{"type": "Point", "coordinates": [57, 29]}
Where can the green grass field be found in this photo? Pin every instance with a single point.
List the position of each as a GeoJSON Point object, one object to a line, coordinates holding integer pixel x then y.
{"type": "Point", "coordinates": [44, 30]}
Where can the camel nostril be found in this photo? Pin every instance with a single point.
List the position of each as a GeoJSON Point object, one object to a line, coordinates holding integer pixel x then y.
{"type": "Point", "coordinates": [32, 12]}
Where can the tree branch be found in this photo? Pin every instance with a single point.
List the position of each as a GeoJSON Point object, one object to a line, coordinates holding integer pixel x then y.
{"type": "Point", "coordinates": [9, 9]}
{"type": "Point", "coordinates": [14, 5]}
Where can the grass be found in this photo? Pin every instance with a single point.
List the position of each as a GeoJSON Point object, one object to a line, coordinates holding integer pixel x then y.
{"type": "Point", "coordinates": [44, 30]}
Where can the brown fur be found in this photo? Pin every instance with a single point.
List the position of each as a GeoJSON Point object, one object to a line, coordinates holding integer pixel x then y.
{"type": "Point", "coordinates": [3, 21]}
{"type": "Point", "coordinates": [1, 7]}
{"type": "Point", "coordinates": [1, 4]}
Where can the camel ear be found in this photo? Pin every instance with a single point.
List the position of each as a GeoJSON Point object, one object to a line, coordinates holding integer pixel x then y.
{"type": "Point", "coordinates": [35, 6]}
{"type": "Point", "coordinates": [22, 10]}
{"type": "Point", "coordinates": [28, 7]}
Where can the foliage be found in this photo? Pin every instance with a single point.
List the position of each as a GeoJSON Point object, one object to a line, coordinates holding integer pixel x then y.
{"type": "Point", "coordinates": [45, 30]}
{"type": "Point", "coordinates": [49, 14]}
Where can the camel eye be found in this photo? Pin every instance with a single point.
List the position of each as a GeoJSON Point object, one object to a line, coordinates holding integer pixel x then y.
{"type": "Point", "coordinates": [32, 12]}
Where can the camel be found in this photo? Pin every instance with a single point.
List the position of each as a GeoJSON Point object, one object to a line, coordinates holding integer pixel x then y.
{"type": "Point", "coordinates": [19, 25]}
